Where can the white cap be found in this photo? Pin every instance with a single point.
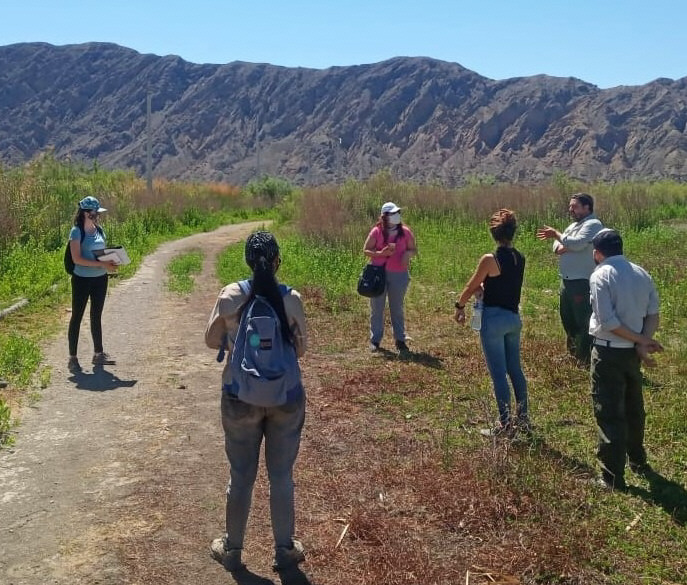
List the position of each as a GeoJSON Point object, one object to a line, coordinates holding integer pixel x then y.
{"type": "Point", "coordinates": [390, 207]}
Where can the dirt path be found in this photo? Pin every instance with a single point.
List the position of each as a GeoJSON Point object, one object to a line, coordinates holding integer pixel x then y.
{"type": "Point", "coordinates": [117, 476]}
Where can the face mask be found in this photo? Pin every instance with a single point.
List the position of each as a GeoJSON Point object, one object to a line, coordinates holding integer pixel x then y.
{"type": "Point", "coordinates": [395, 218]}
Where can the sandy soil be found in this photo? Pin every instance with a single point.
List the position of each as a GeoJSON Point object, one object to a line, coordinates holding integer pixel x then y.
{"type": "Point", "coordinates": [118, 474]}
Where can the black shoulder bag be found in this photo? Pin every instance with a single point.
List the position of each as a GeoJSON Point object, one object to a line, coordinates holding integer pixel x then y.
{"type": "Point", "coordinates": [372, 281]}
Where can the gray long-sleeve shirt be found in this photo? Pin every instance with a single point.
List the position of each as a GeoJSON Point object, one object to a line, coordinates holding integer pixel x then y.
{"type": "Point", "coordinates": [578, 262]}
{"type": "Point", "coordinates": [622, 293]}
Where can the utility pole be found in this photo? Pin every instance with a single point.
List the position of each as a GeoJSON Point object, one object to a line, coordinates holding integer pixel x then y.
{"type": "Point", "coordinates": [257, 146]}
{"type": "Point", "coordinates": [149, 146]}
{"type": "Point", "coordinates": [308, 172]}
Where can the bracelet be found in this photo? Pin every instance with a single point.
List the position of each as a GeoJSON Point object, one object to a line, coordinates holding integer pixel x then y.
{"type": "Point", "coordinates": [458, 306]}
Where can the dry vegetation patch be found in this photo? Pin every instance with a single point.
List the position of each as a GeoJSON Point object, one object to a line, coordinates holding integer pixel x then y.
{"type": "Point", "coordinates": [383, 504]}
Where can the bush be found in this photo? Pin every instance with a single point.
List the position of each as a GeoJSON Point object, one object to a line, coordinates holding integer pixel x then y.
{"type": "Point", "coordinates": [270, 190]}
{"type": "Point", "coordinates": [5, 423]}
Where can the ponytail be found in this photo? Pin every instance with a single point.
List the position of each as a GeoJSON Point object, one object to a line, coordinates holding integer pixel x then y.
{"type": "Point", "coordinates": [262, 251]}
{"type": "Point", "coordinates": [265, 284]}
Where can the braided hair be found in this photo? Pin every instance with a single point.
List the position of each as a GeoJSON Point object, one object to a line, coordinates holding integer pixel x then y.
{"type": "Point", "coordinates": [262, 256]}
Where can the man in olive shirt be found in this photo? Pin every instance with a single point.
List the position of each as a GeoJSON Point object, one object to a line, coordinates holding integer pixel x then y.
{"type": "Point", "coordinates": [623, 322]}
{"type": "Point", "coordinates": [575, 263]}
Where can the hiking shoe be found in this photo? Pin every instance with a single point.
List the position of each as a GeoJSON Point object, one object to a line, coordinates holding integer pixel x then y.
{"type": "Point", "coordinates": [374, 346]}
{"type": "Point", "coordinates": [401, 346]}
{"type": "Point", "coordinates": [500, 431]}
{"type": "Point", "coordinates": [73, 365]}
{"type": "Point", "coordinates": [230, 559]}
{"type": "Point", "coordinates": [286, 558]}
{"type": "Point", "coordinates": [103, 359]}
{"type": "Point", "coordinates": [641, 469]}
{"type": "Point", "coordinates": [609, 486]}
{"type": "Point", "coordinates": [524, 426]}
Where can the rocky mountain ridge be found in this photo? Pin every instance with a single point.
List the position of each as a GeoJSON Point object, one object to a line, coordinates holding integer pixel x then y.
{"type": "Point", "coordinates": [424, 119]}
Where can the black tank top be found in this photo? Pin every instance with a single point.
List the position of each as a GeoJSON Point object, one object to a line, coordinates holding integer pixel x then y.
{"type": "Point", "coordinates": [504, 290]}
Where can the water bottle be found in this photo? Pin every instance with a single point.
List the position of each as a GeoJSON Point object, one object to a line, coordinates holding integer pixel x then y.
{"type": "Point", "coordinates": [476, 321]}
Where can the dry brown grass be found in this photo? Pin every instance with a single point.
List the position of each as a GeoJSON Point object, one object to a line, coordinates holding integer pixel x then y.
{"type": "Point", "coordinates": [376, 466]}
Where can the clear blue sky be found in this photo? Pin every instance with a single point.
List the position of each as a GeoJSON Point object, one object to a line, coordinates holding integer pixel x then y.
{"type": "Point", "coordinates": [605, 42]}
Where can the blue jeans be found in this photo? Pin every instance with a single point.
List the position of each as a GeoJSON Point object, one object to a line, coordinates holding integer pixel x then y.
{"type": "Point", "coordinates": [500, 336]}
{"type": "Point", "coordinates": [396, 287]}
{"type": "Point", "coordinates": [245, 426]}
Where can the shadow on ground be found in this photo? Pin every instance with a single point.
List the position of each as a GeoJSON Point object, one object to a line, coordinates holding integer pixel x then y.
{"type": "Point", "coordinates": [421, 358]}
{"type": "Point", "coordinates": [666, 493]}
{"type": "Point", "coordinates": [567, 462]}
{"type": "Point", "coordinates": [292, 576]}
{"type": "Point", "coordinates": [100, 380]}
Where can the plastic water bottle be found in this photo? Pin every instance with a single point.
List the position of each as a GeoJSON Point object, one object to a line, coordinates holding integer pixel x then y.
{"type": "Point", "coordinates": [476, 320]}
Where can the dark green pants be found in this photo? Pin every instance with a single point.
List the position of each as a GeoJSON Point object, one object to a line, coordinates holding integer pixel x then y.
{"type": "Point", "coordinates": [618, 409]}
{"type": "Point", "coordinates": [576, 309]}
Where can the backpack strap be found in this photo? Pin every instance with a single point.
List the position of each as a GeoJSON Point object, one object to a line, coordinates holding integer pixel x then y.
{"type": "Point", "coordinates": [83, 232]}
{"type": "Point", "coordinates": [245, 286]}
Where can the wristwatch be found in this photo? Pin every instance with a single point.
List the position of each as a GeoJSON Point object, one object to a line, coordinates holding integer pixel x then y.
{"type": "Point", "coordinates": [458, 306]}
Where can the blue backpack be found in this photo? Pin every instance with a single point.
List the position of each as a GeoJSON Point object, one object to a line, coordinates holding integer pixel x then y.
{"type": "Point", "coordinates": [264, 366]}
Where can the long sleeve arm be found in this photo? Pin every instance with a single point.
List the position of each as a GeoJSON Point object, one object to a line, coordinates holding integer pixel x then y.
{"type": "Point", "coordinates": [296, 315]}
{"type": "Point", "coordinates": [578, 239]}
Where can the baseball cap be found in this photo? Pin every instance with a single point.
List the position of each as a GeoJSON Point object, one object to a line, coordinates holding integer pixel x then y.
{"type": "Point", "coordinates": [390, 207]}
{"type": "Point", "coordinates": [91, 204]}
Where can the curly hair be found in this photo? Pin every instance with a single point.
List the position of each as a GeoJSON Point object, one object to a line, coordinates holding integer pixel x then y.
{"type": "Point", "coordinates": [502, 225]}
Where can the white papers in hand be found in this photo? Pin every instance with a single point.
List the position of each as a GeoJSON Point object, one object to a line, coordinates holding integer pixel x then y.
{"type": "Point", "coordinates": [116, 255]}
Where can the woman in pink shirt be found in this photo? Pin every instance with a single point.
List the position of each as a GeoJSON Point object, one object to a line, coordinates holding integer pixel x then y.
{"type": "Point", "coordinates": [392, 244]}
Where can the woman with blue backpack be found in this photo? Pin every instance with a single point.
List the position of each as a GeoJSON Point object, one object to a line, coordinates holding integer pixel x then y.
{"type": "Point", "coordinates": [261, 325]}
{"type": "Point", "coordinates": [89, 280]}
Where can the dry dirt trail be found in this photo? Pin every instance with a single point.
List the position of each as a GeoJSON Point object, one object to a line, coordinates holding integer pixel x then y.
{"type": "Point", "coordinates": [117, 476]}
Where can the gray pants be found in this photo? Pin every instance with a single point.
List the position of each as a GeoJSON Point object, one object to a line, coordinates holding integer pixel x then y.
{"type": "Point", "coordinates": [396, 287]}
{"type": "Point", "coordinates": [245, 426]}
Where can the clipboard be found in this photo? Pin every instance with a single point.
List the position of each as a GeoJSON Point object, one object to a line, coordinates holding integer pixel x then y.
{"type": "Point", "coordinates": [116, 254]}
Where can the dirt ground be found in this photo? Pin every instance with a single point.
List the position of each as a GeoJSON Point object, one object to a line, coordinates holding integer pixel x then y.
{"type": "Point", "coordinates": [118, 474]}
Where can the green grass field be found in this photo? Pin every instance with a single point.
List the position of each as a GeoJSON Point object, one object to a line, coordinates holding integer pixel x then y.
{"type": "Point", "coordinates": [521, 508]}
{"type": "Point", "coordinates": [572, 532]}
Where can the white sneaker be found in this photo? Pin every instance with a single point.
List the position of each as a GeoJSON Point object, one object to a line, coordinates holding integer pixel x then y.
{"type": "Point", "coordinates": [230, 559]}
{"type": "Point", "coordinates": [286, 558]}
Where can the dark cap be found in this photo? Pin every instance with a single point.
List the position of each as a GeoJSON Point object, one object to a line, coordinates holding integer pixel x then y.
{"type": "Point", "coordinates": [261, 245]}
{"type": "Point", "coordinates": [608, 242]}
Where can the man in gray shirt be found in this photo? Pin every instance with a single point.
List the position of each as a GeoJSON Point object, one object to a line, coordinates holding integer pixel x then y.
{"type": "Point", "coordinates": [623, 322]}
{"type": "Point", "coordinates": [575, 263]}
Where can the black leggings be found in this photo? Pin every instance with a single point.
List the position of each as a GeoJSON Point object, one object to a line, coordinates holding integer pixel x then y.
{"type": "Point", "coordinates": [84, 288]}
